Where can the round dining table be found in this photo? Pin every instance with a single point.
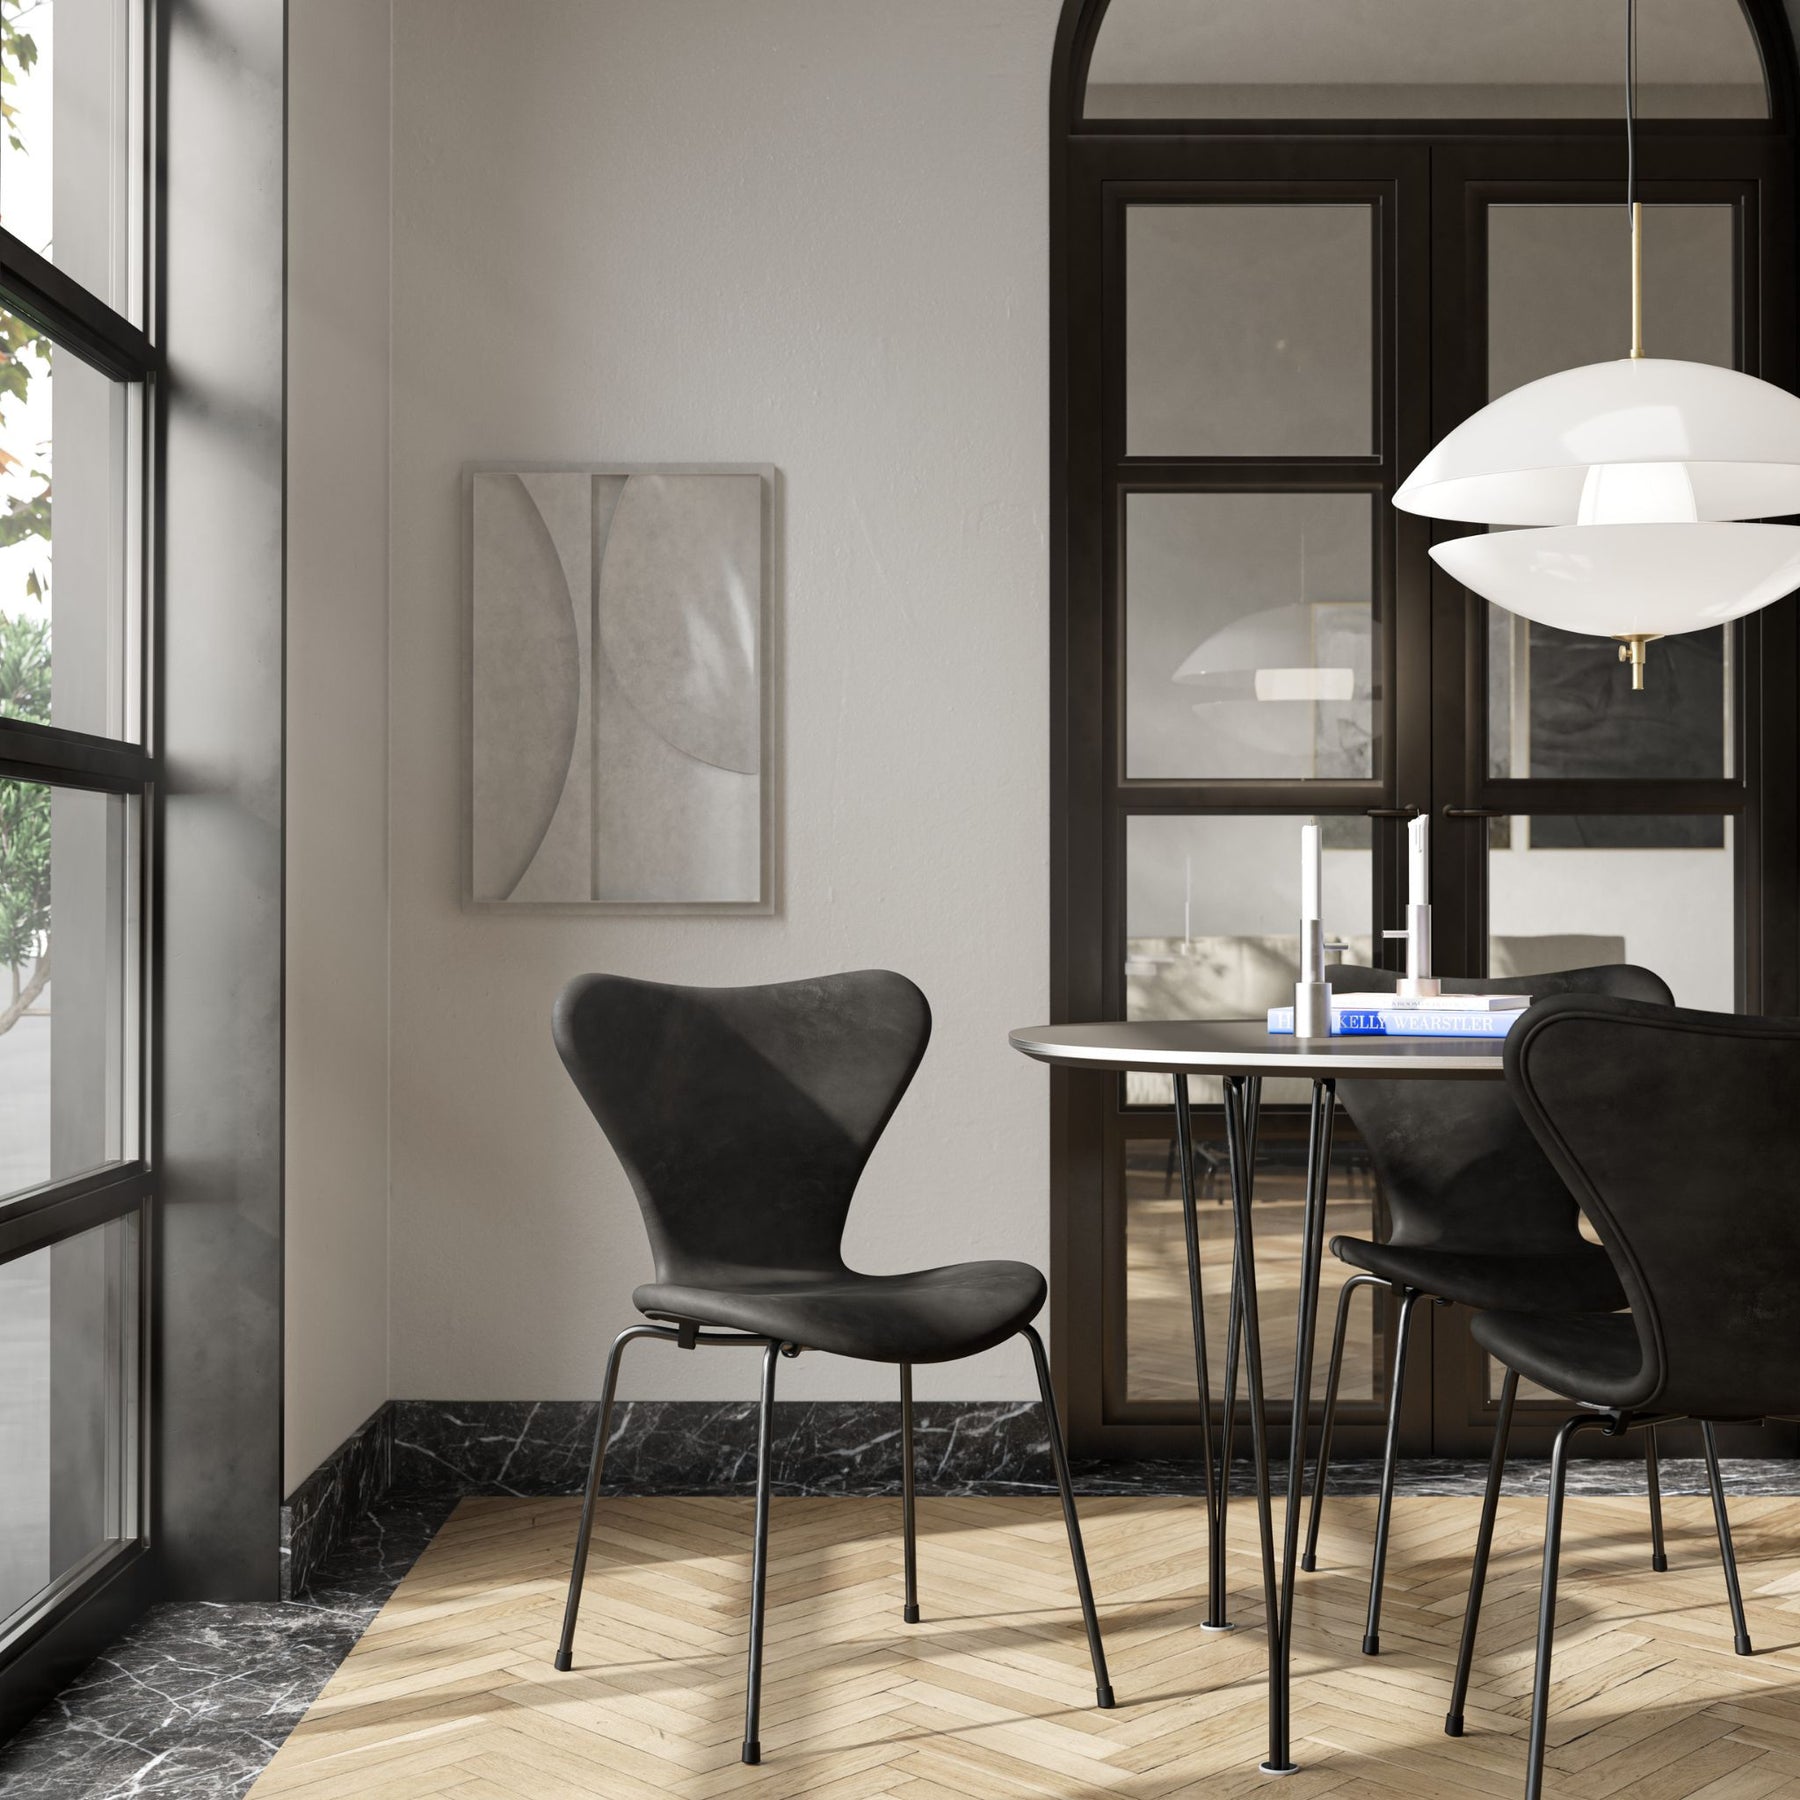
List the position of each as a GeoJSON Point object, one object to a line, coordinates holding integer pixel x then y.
{"type": "Point", "coordinates": [1242, 1052]}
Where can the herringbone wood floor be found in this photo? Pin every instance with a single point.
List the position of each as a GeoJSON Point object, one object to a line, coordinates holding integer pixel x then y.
{"type": "Point", "coordinates": [451, 1692]}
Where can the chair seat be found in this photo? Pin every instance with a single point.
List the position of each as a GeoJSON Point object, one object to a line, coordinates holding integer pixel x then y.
{"type": "Point", "coordinates": [1593, 1357]}
{"type": "Point", "coordinates": [1575, 1281]}
{"type": "Point", "coordinates": [930, 1315]}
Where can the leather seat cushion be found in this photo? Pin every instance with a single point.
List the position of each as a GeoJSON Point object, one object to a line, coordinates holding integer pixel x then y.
{"type": "Point", "coordinates": [1593, 1357]}
{"type": "Point", "coordinates": [930, 1315]}
{"type": "Point", "coordinates": [1578, 1281]}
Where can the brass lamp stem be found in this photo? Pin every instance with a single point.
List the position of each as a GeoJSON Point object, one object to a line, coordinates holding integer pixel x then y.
{"type": "Point", "coordinates": [1637, 280]}
{"type": "Point", "coordinates": [1634, 648]}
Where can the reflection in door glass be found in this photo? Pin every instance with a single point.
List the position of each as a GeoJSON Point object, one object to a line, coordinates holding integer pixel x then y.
{"type": "Point", "coordinates": [1212, 907]}
{"type": "Point", "coordinates": [1250, 640]}
{"type": "Point", "coordinates": [1159, 1343]}
{"type": "Point", "coordinates": [1658, 890]}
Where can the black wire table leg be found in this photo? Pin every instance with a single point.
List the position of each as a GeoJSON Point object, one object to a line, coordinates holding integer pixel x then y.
{"type": "Point", "coordinates": [909, 1535]}
{"type": "Point", "coordinates": [1312, 1253]}
{"type": "Point", "coordinates": [759, 1557]}
{"type": "Point", "coordinates": [1190, 1217]}
{"type": "Point", "coordinates": [1234, 1331]}
{"type": "Point", "coordinates": [602, 1427]}
{"type": "Point", "coordinates": [1236, 1134]}
{"type": "Point", "coordinates": [1740, 1629]}
{"type": "Point", "coordinates": [1059, 1456]}
{"type": "Point", "coordinates": [1659, 1557]}
{"type": "Point", "coordinates": [1384, 1510]}
{"type": "Point", "coordinates": [1484, 1542]}
{"type": "Point", "coordinates": [1309, 1557]}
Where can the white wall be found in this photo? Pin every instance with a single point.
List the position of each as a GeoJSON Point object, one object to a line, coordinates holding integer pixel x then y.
{"type": "Point", "coordinates": [337, 925]}
{"type": "Point", "coordinates": [807, 232]}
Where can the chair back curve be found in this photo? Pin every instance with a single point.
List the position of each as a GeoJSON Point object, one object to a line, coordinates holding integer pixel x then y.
{"type": "Point", "coordinates": [1456, 1163]}
{"type": "Point", "coordinates": [743, 1116]}
{"type": "Point", "coordinates": [1679, 1133]}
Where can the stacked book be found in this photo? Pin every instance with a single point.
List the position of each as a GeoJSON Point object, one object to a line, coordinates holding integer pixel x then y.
{"type": "Point", "coordinates": [1392, 1015]}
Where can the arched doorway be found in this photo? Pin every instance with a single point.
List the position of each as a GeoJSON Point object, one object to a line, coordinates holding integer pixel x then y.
{"type": "Point", "coordinates": [1284, 260]}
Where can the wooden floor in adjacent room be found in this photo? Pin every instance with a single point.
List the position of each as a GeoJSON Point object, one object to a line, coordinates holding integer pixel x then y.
{"type": "Point", "coordinates": [451, 1692]}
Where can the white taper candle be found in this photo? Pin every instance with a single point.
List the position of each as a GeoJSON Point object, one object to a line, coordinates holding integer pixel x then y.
{"type": "Point", "coordinates": [1418, 881]}
{"type": "Point", "coordinates": [1309, 872]}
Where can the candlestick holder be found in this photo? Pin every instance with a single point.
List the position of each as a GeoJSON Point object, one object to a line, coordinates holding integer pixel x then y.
{"type": "Point", "coordinates": [1418, 983]}
{"type": "Point", "coordinates": [1312, 993]}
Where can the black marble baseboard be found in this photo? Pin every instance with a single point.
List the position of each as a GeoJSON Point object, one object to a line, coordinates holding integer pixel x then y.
{"type": "Point", "coordinates": [709, 1447]}
{"type": "Point", "coordinates": [345, 1488]}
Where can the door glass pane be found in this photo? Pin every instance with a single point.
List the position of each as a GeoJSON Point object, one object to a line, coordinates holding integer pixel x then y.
{"type": "Point", "coordinates": [67, 169]}
{"type": "Point", "coordinates": [1563, 706]}
{"type": "Point", "coordinates": [1159, 1341]}
{"type": "Point", "coordinates": [66, 652]}
{"type": "Point", "coordinates": [1419, 59]}
{"type": "Point", "coordinates": [68, 1407]}
{"type": "Point", "coordinates": [1559, 288]}
{"type": "Point", "coordinates": [1249, 330]}
{"type": "Point", "coordinates": [1212, 908]}
{"type": "Point", "coordinates": [67, 1093]}
{"type": "Point", "coordinates": [1250, 640]}
{"type": "Point", "coordinates": [1565, 892]}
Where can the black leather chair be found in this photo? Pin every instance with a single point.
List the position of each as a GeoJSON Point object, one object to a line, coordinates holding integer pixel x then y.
{"type": "Point", "coordinates": [744, 1118]}
{"type": "Point", "coordinates": [1479, 1218]}
{"type": "Point", "coordinates": [1679, 1135]}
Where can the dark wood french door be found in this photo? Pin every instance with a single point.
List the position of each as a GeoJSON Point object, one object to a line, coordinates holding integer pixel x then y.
{"type": "Point", "coordinates": [1263, 335]}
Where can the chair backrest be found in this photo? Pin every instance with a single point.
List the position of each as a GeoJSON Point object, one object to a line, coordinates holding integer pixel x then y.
{"type": "Point", "coordinates": [1679, 1133]}
{"type": "Point", "coordinates": [1456, 1162]}
{"type": "Point", "coordinates": [743, 1116]}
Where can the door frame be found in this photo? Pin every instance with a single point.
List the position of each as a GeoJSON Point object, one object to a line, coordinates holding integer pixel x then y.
{"type": "Point", "coordinates": [1428, 631]}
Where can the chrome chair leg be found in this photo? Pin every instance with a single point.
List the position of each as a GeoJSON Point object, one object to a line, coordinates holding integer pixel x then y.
{"type": "Point", "coordinates": [1484, 1540]}
{"type": "Point", "coordinates": [1740, 1630]}
{"type": "Point", "coordinates": [602, 1429]}
{"type": "Point", "coordinates": [1103, 1693]}
{"type": "Point", "coordinates": [1659, 1559]}
{"type": "Point", "coordinates": [759, 1556]}
{"type": "Point", "coordinates": [1390, 1457]}
{"type": "Point", "coordinates": [909, 1610]}
{"type": "Point", "coordinates": [1309, 1559]}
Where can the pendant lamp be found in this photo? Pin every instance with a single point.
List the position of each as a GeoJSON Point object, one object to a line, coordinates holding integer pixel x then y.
{"type": "Point", "coordinates": [1631, 477]}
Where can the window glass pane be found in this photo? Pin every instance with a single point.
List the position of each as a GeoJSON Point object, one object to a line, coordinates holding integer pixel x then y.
{"type": "Point", "coordinates": [1565, 892]}
{"type": "Point", "coordinates": [68, 172]}
{"type": "Point", "coordinates": [67, 649]}
{"type": "Point", "coordinates": [1249, 330]}
{"type": "Point", "coordinates": [67, 1084]}
{"type": "Point", "coordinates": [68, 1407]}
{"type": "Point", "coordinates": [1212, 908]}
{"type": "Point", "coordinates": [1559, 286]}
{"type": "Point", "coordinates": [1420, 59]}
{"type": "Point", "coordinates": [1250, 643]}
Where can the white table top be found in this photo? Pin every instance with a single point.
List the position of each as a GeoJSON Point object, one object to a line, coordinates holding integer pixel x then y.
{"type": "Point", "coordinates": [1244, 1047]}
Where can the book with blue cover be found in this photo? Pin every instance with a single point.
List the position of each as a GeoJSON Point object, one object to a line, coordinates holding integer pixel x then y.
{"type": "Point", "coordinates": [1370, 1021]}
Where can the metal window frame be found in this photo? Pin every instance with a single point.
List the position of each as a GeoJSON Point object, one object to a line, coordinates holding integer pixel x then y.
{"type": "Point", "coordinates": [63, 1625]}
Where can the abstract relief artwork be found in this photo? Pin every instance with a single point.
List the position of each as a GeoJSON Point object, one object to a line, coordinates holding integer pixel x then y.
{"type": "Point", "coordinates": [617, 688]}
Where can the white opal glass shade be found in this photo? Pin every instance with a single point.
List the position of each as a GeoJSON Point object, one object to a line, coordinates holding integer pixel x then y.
{"type": "Point", "coordinates": [1629, 580]}
{"type": "Point", "coordinates": [1524, 459]}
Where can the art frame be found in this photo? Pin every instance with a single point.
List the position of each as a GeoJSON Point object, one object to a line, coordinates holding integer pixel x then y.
{"type": "Point", "coordinates": [619, 691]}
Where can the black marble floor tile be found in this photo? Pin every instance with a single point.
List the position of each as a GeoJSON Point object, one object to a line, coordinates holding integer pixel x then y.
{"type": "Point", "coordinates": [195, 1699]}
